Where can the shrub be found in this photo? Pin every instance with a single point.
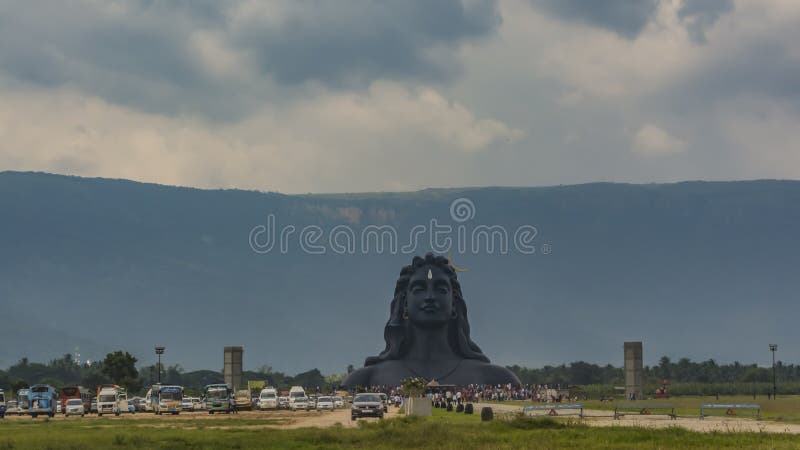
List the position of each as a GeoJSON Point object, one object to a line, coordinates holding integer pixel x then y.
{"type": "Point", "coordinates": [487, 414]}
{"type": "Point", "coordinates": [468, 409]}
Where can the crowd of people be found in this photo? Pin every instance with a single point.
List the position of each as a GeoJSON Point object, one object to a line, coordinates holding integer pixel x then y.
{"type": "Point", "coordinates": [475, 393]}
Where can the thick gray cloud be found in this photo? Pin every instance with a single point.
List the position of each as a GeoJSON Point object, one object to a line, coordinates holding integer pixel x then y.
{"type": "Point", "coordinates": [357, 42]}
{"type": "Point", "coordinates": [162, 56]}
{"type": "Point", "coordinates": [763, 67]}
{"type": "Point", "coordinates": [624, 17]}
{"type": "Point", "coordinates": [351, 96]}
{"type": "Point", "coordinates": [138, 56]}
{"type": "Point", "coordinates": [699, 15]}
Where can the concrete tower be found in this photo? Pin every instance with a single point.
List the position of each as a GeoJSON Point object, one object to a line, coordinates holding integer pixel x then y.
{"type": "Point", "coordinates": [633, 371]}
{"type": "Point", "coordinates": [232, 370]}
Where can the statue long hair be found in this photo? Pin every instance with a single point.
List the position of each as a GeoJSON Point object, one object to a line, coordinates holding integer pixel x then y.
{"type": "Point", "coordinates": [397, 333]}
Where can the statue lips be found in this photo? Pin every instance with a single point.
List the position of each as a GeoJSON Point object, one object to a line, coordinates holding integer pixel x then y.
{"type": "Point", "coordinates": [430, 308]}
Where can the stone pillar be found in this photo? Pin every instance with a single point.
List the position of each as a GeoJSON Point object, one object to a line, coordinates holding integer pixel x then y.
{"type": "Point", "coordinates": [634, 382]}
{"type": "Point", "coordinates": [232, 370]}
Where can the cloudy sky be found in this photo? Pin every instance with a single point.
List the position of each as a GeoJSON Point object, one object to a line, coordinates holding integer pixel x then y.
{"type": "Point", "coordinates": [355, 95]}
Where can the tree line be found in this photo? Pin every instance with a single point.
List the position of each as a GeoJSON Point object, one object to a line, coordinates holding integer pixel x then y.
{"type": "Point", "coordinates": [682, 371]}
{"type": "Point", "coordinates": [120, 368]}
{"type": "Point", "coordinates": [684, 375]}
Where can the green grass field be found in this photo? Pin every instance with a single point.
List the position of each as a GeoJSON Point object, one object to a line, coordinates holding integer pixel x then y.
{"type": "Point", "coordinates": [443, 430]}
{"type": "Point", "coordinates": [783, 409]}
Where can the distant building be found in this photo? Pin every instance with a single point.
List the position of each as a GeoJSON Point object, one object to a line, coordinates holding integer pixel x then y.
{"type": "Point", "coordinates": [232, 370]}
{"type": "Point", "coordinates": [634, 372]}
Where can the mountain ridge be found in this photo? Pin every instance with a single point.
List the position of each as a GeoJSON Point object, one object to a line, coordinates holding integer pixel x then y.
{"type": "Point", "coordinates": [175, 266]}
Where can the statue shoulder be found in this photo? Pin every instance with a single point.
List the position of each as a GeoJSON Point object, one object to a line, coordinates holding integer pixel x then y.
{"type": "Point", "coordinates": [492, 374]}
{"type": "Point", "coordinates": [360, 377]}
{"type": "Point", "coordinates": [500, 375]}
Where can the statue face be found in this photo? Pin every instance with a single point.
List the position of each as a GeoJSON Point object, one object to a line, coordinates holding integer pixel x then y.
{"type": "Point", "coordinates": [429, 301]}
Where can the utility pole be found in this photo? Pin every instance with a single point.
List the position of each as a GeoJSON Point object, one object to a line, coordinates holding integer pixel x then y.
{"type": "Point", "coordinates": [159, 352]}
{"type": "Point", "coordinates": [773, 348]}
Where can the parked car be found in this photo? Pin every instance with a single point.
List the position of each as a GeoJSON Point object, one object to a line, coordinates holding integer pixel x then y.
{"type": "Point", "coordinates": [366, 405]}
{"type": "Point", "coordinates": [93, 406]}
{"type": "Point", "coordinates": [197, 405]}
{"type": "Point", "coordinates": [299, 403]}
{"type": "Point", "coordinates": [325, 403]}
{"type": "Point", "coordinates": [74, 407]}
{"type": "Point", "coordinates": [294, 393]}
{"type": "Point", "coordinates": [58, 407]}
{"type": "Point", "coordinates": [11, 407]}
{"type": "Point", "coordinates": [186, 404]}
{"type": "Point", "coordinates": [268, 398]}
{"type": "Point", "coordinates": [140, 404]}
{"type": "Point", "coordinates": [338, 402]}
{"type": "Point", "coordinates": [283, 402]}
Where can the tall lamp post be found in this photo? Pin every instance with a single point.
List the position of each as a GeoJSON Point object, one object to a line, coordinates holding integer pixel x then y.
{"type": "Point", "coordinates": [159, 352]}
{"type": "Point", "coordinates": [773, 348]}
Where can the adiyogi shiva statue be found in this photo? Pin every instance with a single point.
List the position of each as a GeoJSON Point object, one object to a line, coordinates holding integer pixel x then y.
{"type": "Point", "coordinates": [427, 334]}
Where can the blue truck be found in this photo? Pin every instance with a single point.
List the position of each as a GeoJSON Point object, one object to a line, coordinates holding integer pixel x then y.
{"type": "Point", "coordinates": [43, 400]}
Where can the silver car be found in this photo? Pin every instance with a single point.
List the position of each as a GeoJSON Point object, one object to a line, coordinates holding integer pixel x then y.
{"type": "Point", "coordinates": [299, 403]}
{"type": "Point", "coordinates": [11, 407]}
{"type": "Point", "coordinates": [75, 407]}
{"type": "Point", "coordinates": [325, 403]}
{"type": "Point", "coordinates": [366, 405]}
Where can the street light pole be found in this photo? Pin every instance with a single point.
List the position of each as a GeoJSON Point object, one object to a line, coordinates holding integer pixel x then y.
{"type": "Point", "coordinates": [159, 352]}
{"type": "Point", "coordinates": [773, 348]}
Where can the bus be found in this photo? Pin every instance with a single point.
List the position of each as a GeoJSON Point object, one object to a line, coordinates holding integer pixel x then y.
{"type": "Point", "coordinates": [217, 398]}
{"type": "Point", "coordinates": [2, 404]}
{"type": "Point", "coordinates": [167, 399]}
{"type": "Point", "coordinates": [79, 392]}
{"type": "Point", "coordinates": [23, 401]}
{"type": "Point", "coordinates": [43, 400]}
{"type": "Point", "coordinates": [152, 394]}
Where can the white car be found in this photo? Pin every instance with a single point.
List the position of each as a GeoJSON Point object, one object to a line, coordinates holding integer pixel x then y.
{"type": "Point", "coordinates": [325, 403]}
{"type": "Point", "coordinates": [186, 404]}
{"type": "Point", "coordinates": [268, 399]}
{"type": "Point", "coordinates": [75, 407]}
{"type": "Point", "coordinates": [338, 402]}
{"type": "Point", "coordinates": [299, 403]}
{"type": "Point", "coordinates": [197, 405]}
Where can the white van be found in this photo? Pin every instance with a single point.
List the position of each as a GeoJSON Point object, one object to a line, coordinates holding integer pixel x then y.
{"type": "Point", "coordinates": [268, 398]}
{"type": "Point", "coordinates": [108, 400]}
{"type": "Point", "coordinates": [297, 395]}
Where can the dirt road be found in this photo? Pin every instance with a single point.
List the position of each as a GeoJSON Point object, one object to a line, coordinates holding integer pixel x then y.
{"type": "Point", "coordinates": [277, 419]}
